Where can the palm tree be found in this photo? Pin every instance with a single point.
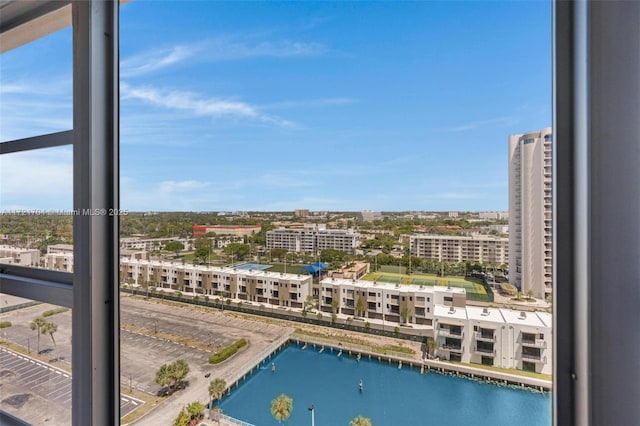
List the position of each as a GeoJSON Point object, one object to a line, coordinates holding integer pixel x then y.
{"type": "Point", "coordinates": [216, 390]}
{"type": "Point", "coordinates": [360, 421]}
{"type": "Point", "coordinates": [530, 294]}
{"type": "Point", "coordinates": [404, 314]}
{"type": "Point", "coordinates": [179, 371]}
{"type": "Point", "coordinates": [37, 324]}
{"type": "Point", "coordinates": [195, 409]}
{"type": "Point", "coordinates": [163, 375]}
{"type": "Point", "coordinates": [50, 328]}
{"type": "Point", "coordinates": [281, 407]}
{"type": "Point", "coordinates": [360, 307]}
{"type": "Point", "coordinates": [182, 419]}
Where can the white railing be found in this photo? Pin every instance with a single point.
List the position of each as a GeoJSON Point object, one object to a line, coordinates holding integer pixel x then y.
{"type": "Point", "coordinates": [353, 347]}
{"type": "Point", "coordinates": [445, 332]}
{"type": "Point", "coordinates": [237, 373]}
{"type": "Point", "coordinates": [231, 420]}
{"type": "Point", "coordinates": [486, 336]}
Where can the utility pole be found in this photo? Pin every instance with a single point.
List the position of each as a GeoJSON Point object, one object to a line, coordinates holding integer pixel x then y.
{"type": "Point", "coordinates": [312, 409]}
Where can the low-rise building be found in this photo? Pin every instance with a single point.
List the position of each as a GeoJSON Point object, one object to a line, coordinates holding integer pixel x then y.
{"type": "Point", "coordinates": [149, 244]}
{"type": "Point", "coordinates": [275, 288]}
{"type": "Point", "coordinates": [59, 261]}
{"type": "Point", "coordinates": [353, 271]}
{"type": "Point", "coordinates": [19, 256]}
{"type": "Point", "coordinates": [498, 337]}
{"type": "Point", "coordinates": [369, 216]}
{"type": "Point", "coordinates": [60, 249]}
{"type": "Point", "coordinates": [411, 304]}
{"type": "Point", "coordinates": [493, 215]}
{"type": "Point", "coordinates": [236, 230]}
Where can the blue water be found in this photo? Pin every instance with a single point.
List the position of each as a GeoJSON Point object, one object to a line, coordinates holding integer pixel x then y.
{"type": "Point", "coordinates": [391, 396]}
{"type": "Point", "coordinates": [253, 266]}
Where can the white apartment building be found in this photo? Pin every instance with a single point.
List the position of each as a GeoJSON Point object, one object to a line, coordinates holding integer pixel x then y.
{"type": "Point", "coordinates": [149, 244]}
{"type": "Point", "coordinates": [273, 288]}
{"type": "Point", "coordinates": [531, 212]}
{"type": "Point", "coordinates": [493, 215]}
{"type": "Point", "coordinates": [499, 337]}
{"type": "Point", "coordinates": [313, 238]}
{"type": "Point", "coordinates": [369, 216]}
{"type": "Point", "coordinates": [59, 261]}
{"type": "Point", "coordinates": [60, 249]}
{"type": "Point", "coordinates": [384, 301]}
{"type": "Point", "coordinates": [454, 249]}
{"type": "Point", "coordinates": [19, 256]}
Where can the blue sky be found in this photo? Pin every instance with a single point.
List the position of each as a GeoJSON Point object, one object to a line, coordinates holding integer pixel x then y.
{"type": "Point", "coordinates": [284, 105]}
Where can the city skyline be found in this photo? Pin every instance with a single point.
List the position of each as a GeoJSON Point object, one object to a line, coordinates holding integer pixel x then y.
{"type": "Point", "coordinates": [277, 106]}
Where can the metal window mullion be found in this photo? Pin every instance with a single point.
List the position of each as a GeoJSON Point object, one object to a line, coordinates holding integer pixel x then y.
{"type": "Point", "coordinates": [50, 140]}
{"type": "Point", "coordinates": [96, 355]}
{"type": "Point", "coordinates": [571, 375]}
{"type": "Point", "coordinates": [39, 290]}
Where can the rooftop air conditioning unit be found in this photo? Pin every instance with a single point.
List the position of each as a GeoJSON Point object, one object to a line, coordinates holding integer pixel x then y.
{"type": "Point", "coordinates": [451, 309]}
{"type": "Point", "coordinates": [523, 315]}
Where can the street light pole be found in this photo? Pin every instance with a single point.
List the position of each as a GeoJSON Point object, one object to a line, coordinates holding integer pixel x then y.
{"type": "Point", "coordinates": [312, 409]}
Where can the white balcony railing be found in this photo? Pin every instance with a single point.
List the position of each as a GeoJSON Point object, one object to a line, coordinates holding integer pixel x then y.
{"type": "Point", "coordinates": [445, 332]}
{"type": "Point", "coordinates": [485, 351]}
{"type": "Point", "coordinates": [490, 337]}
{"type": "Point", "coordinates": [537, 343]}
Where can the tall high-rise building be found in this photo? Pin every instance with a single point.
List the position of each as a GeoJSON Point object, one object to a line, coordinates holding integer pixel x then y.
{"type": "Point", "coordinates": [531, 212]}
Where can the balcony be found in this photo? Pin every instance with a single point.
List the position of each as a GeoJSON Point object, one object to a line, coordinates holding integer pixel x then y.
{"type": "Point", "coordinates": [534, 358]}
{"type": "Point", "coordinates": [487, 337]}
{"type": "Point", "coordinates": [537, 343]}
{"type": "Point", "coordinates": [485, 351]}
{"type": "Point", "coordinates": [445, 332]}
{"type": "Point", "coordinates": [451, 348]}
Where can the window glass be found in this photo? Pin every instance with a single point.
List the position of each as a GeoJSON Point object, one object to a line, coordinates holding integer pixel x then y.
{"type": "Point", "coordinates": [336, 148]}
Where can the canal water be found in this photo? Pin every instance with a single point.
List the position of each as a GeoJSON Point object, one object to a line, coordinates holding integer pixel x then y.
{"type": "Point", "coordinates": [390, 396]}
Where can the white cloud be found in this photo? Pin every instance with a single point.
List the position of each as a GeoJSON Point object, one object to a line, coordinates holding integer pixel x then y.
{"type": "Point", "coordinates": [156, 59]}
{"type": "Point", "coordinates": [192, 103]}
{"type": "Point", "coordinates": [220, 49]}
{"type": "Point", "coordinates": [228, 49]}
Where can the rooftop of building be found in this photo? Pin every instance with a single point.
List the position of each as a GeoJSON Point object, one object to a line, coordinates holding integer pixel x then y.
{"type": "Point", "coordinates": [17, 249]}
{"type": "Point", "coordinates": [476, 313]}
{"type": "Point", "coordinates": [450, 312]}
{"type": "Point", "coordinates": [482, 237]}
{"type": "Point", "coordinates": [530, 319]}
{"type": "Point", "coordinates": [220, 269]}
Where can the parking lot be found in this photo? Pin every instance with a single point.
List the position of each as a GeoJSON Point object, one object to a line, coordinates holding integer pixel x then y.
{"type": "Point", "coordinates": [28, 383]}
{"type": "Point", "coordinates": [40, 392]}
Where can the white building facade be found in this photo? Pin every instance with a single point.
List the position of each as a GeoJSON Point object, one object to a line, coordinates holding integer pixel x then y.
{"type": "Point", "coordinates": [455, 249]}
{"type": "Point", "coordinates": [273, 288]}
{"type": "Point", "coordinates": [498, 337]}
{"type": "Point", "coordinates": [410, 304]}
{"type": "Point", "coordinates": [19, 256]}
{"type": "Point", "coordinates": [531, 212]}
{"type": "Point", "coordinates": [313, 239]}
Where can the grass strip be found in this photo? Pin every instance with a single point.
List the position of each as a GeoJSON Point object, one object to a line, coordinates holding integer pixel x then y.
{"type": "Point", "coordinates": [54, 311]}
{"type": "Point", "coordinates": [227, 352]}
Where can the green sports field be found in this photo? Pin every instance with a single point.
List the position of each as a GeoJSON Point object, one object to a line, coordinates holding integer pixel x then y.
{"type": "Point", "coordinates": [474, 288]}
